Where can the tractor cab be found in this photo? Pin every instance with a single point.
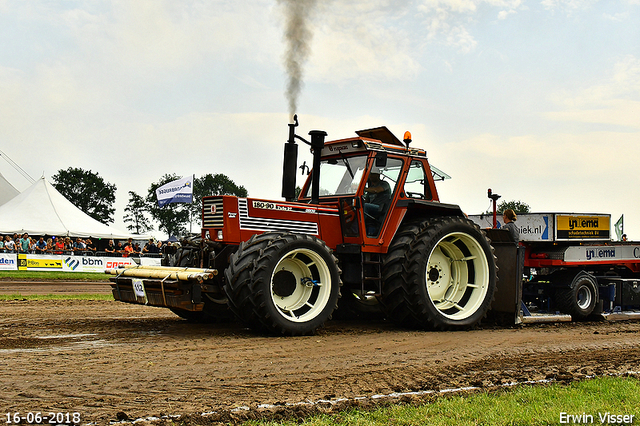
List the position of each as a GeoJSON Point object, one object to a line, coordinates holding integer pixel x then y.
{"type": "Point", "coordinates": [370, 178]}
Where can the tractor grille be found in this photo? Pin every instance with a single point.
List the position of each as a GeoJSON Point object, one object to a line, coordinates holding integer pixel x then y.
{"type": "Point", "coordinates": [212, 213]}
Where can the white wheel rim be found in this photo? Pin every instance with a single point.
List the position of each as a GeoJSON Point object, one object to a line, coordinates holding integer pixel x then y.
{"type": "Point", "coordinates": [308, 297]}
{"type": "Point", "coordinates": [584, 297]}
{"type": "Point", "coordinates": [457, 276]}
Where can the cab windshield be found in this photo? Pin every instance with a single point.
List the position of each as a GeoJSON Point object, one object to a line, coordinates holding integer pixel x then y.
{"type": "Point", "coordinates": [340, 176]}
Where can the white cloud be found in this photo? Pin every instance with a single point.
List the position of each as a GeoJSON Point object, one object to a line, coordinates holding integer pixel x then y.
{"type": "Point", "coordinates": [504, 14]}
{"type": "Point", "coordinates": [572, 168]}
{"type": "Point", "coordinates": [342, 56]}
{"type": "Point", "coordinates": [460, 38]}
{"type": "Point", "coordinates": [378, 40]}
{"type": "Point", "coordinates": [445, 22]}
{"type": "Point", "coordinates": [568, 6]}
{"type": "Point", "coordinates": [11, 94]}
{"type": "Point", "coordinates": [448, 21]}
{"type": "Point", "coordinates": [561, 172]}
{"type": "Point", "coordinates": [154, 37]}
{"type": "Point", "coordinates": [107, 59]}
{"type": "Point", "coordinates": [454, 6]}
{"type": "Point", "coordinates": [615, 112]}
{"type": "Point", "coordinates": [615, 100]}
{"type": "Point", "coordinates": [360, 40]}
{"type": "Point", "coordinates": [617, 17]}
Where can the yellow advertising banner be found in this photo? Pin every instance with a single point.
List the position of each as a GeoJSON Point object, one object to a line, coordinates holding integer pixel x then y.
{"type": "Point", "coordinates": [570, 227]}
{"type": "Point", "coordinates": [69, 263]}
{"type": "Point", "coordinates": [26, 262]}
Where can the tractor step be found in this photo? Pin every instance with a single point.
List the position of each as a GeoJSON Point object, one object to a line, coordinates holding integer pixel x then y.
{"type": "Point", "coordinates": [372, 272]}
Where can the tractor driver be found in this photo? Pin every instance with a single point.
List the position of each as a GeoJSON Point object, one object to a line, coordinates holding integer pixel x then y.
{"type": "Point", "coordinates": [378, 194]}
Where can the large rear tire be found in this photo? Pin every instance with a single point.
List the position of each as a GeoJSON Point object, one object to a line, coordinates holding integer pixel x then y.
{"type": "Point", "coordinates": [283, 283]}
{"type": "Point", "coordinates": [439, 274]}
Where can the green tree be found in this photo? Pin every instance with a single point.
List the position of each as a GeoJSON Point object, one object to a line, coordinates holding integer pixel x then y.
{"type": "Point", "coordinates": [172, 218]}
{"type": "Point", "coordinates": [217, 184]}
{"type": "Point", "coordinates": [517, 206]}
{"type": "Point", "coordinates": [87, 191]}
{"type": "Point", "coordinates": [135, 214]}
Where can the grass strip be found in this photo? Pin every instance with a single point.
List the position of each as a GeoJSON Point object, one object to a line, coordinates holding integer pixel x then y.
{"type": "Point", "coordinates": [592, 401]}
{"type": "Point", "coordinates": [18, 296]}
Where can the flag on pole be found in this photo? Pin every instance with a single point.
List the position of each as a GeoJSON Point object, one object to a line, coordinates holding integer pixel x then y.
{"type": "Point", "coordinates": [619, 227]}
{"type": "Point", "coordinates": [178, 191]}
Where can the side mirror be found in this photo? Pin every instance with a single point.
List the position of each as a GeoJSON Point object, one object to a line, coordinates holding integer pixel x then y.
{"type": "Point", "coordinates": [381, 160]}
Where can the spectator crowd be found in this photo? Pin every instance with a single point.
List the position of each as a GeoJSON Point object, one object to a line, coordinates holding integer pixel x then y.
{"type": "Point", "coordinates": [81, 246]}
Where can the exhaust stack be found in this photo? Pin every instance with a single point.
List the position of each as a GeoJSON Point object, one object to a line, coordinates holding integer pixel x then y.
{"type": "Point", "coordinates": [290, 162]}
{"type": "Point", "coordinates": [317, 143]}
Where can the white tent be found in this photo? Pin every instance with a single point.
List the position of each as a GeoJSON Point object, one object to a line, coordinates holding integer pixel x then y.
{"type": "Point", "coordinates": [7, 191]}
{"type": "Point", "coordinates": [42, 210]}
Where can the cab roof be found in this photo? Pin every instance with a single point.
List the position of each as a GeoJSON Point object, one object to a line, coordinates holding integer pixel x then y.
{"type": "Point", "coordinates": [382, 134]}
{"type": "Point", "coordinates": [378, 139]}
{"type": "Point", "coordinates": [375, 139]}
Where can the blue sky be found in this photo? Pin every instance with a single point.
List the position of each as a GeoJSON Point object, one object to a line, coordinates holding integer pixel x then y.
{"type": "Point", "coordinates": [538, 100]}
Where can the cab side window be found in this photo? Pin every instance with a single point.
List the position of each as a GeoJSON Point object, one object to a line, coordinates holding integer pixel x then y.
{"type": "Point", "coordinates": [417, 184]}
{"type": "Point", "coordinates": [381, 186]}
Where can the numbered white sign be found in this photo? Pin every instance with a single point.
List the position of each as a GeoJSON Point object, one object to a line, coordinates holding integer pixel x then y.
{"type": "Point", "coordinates": [138, 287]}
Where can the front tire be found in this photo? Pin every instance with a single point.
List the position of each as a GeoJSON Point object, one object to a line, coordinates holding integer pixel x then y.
{"type": "Point", "coordinates": [439, 274]}
{"type": "Point", "coordinates": [283, 283]}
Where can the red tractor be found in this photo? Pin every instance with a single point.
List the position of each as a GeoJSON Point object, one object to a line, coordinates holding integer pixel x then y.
{"type": "Point", "coordinates": [366, 232]}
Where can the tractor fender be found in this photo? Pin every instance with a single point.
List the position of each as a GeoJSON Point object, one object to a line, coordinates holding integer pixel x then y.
{"type": "Point", "coordinates": [425, 209]}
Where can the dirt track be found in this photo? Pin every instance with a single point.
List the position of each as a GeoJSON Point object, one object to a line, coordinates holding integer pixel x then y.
{"type": "Point", "coordinates": [101, 358]}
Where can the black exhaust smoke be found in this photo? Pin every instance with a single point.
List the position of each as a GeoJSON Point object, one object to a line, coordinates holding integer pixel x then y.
{"type": "Point", "coordinates": [297, 36]}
